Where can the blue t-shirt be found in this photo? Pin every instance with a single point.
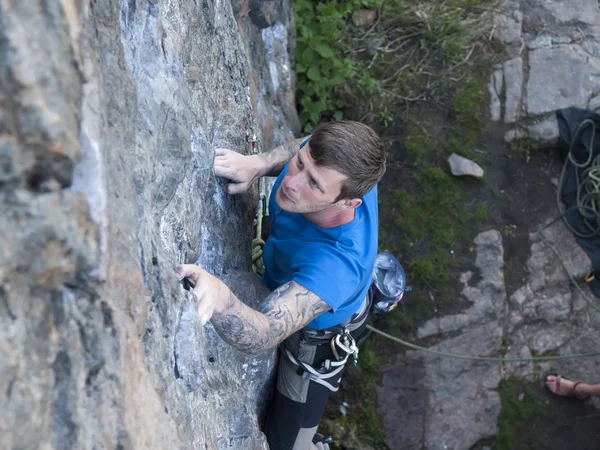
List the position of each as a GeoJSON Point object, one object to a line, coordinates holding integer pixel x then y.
{"type": "Point", "coordinates": [334, 263]}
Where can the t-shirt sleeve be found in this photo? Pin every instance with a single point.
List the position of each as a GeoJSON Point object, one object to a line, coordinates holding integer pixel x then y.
{"type": "Point", "coordinates": [331, 275]}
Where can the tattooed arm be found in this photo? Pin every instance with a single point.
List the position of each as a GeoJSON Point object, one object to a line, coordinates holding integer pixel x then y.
{"type": "Point", "coordinates": [287, 309]}
{"type": "Point", "coordinates": [243, 170]}
{"type": "Point", "coordinates": [275, 160]}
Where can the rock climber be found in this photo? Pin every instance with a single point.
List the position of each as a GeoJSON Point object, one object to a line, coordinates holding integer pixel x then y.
{"type": "Point", "coordinates": [318, 260]}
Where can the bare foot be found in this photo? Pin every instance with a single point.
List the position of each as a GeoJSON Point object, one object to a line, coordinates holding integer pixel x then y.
{"type": "Point", "coordinates": [562, 386]}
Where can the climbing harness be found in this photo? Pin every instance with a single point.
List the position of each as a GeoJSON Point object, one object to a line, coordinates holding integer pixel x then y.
{"type": "Point", "coordinates": [342, 344]}
{"type": "Point", "coordinates": [258, 243]}
{"type": "Point", "coordinates": [329, 368]}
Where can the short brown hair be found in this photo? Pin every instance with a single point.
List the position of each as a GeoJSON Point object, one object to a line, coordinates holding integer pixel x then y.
{"type": "Point", "coordinates": [353, 149]}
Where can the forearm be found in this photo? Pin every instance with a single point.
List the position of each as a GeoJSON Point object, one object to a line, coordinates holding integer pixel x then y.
{"type": "Point", "coordinates": [287, 309]}
{"type": "Point", "coordinates": [275, 160]}
{"type": "Point", "coordinates": [246, 329]}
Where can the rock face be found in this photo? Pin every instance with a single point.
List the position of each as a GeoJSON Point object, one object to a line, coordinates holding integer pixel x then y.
{"type": "Point", "coordinates": [440, 403]}
{"type": "Point", "coordinates": [554, 63]}
{"type": "Point", "coordinates": [110, 112]}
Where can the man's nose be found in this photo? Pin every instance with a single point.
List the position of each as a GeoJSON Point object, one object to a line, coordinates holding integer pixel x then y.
{"type": "Point", "coordinates": [291, 182]}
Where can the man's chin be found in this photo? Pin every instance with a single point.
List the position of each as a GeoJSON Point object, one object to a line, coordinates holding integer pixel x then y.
{"type": "Point", "coordinates": [286, 206]}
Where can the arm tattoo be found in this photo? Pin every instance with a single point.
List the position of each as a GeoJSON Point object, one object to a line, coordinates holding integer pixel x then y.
{"type": "Point", "coordinates": [287, 309]}
{"type": "Point", "coordinates": [280, 156]}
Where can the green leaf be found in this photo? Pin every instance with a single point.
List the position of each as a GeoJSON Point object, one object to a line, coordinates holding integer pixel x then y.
{"type": "Point", "coordinates": [300, 68]}
{"type": "Point", "coordinates": [336, 80]}
{"type": "Point", "coordinates": [308, 56]}
{"type": "Point", "coordinates": [324, 50]}
{"type": "Point", "coordinates": [313, 73]}
{"type": "Point", "coordinates": [338, 116]}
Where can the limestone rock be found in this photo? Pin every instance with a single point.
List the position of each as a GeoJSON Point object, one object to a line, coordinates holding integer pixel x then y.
{"type": "Point", "coordinates": [455, 399]}
{"type": "Point", "coordinates": [564, 11]}
{"type": "Point", "coordinates": [460, 166]}
{"type": "Point", "coordinates": [545, 133]}
{"type": "Point", "coordinates": [512, 135]}
{"type": "Point", "coordinates": [435, 398]}
{"type": "Point", "coordinates": [559, 78]}
{"type": "Point", "coordinates": [549, 338]}
{"type": "Point", "coordinates": [513, 78]}
{"type": "Point", "coordinates": [110, 115]}
{"type": "Point", "coordinates": [495, 88]}
{"type": "Point", "coordinates": [548, 306]}
{"type": "Point", "coordinates": [594, 103]}
{"type": "Point", "coordinates": [509, 26]}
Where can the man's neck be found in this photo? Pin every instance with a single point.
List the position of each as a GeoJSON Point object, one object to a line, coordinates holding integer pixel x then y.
{"type": "Point", "coordinates": [331, 217]}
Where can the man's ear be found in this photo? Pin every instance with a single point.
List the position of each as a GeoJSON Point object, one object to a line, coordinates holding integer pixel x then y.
{"type": "Point", "coordinates": [350, 203]}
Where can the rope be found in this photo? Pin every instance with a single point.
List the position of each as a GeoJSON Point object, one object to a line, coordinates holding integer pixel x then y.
{"type": "Point", "coordinates": [588, 200]}
{"type": "Point", "coordinates": [479, 358]}
{"type": "Point", "coordinates": [588, 205]}
{"type": "Point", "coordinates": [258, 265]}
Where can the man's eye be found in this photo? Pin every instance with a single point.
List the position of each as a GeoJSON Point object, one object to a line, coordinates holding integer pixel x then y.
{"type": "Point", "coordinates": [314, 184]}
{"type": "Point", "coordinates": [299, 165]}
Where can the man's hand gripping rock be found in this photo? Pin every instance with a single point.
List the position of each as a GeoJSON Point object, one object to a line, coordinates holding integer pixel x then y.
{"type": "Point", "coordinates": [211, 293]}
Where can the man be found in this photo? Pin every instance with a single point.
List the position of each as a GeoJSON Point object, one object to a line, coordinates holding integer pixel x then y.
{"type": "Point", "coordinates": [318, 261]}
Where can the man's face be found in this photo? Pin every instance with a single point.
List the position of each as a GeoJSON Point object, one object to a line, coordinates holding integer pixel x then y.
{"type": "Point", "coordinates": [306, 187]}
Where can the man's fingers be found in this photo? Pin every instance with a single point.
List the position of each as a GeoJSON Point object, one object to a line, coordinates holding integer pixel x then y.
{"type": "Point", "coordinates": [236, 188]}
{"type": "Point", "coordinates": [225, 171]}
{"type": "Point", "coordinates": [221, 151]}
{"type": "Point", "coordinates": [190, 271]}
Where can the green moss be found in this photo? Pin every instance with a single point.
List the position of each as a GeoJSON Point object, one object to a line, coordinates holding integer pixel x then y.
{"type": "Point", "coordinates": [522, 148]}
{"type": "Point", "coordinates": [519, 406]}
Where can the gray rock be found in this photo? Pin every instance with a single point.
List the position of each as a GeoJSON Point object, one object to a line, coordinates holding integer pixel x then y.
{"type": "Point", "coordinates": [594, 103]}
{"type": "Point", "coordinates": [488, 297]}
{"type": "Point", "coordinates": [436, 399]}
{"type": "Point", "coordinates": [490, 259]}
{"type": "Point", "coordinates": [518, 369]}
{"type": "Point", "coordinates": [548, 306]}
{"type": "Point", "coordinates": [514, 321]}
{"type": "Point", "coordinates": [543, 41]}
{"type": "Point", "coordinates": [521, 295]}
{"type": "Point", "coordinates": [460, 166]}
{"type": "Point", "coordinates": [495, 104]}
{"type": "Point", "coordinates": [463, 408]}
{"type": "Point", "coordinates": [111, 112]}
{"type": "Point", "coordinates": [512, 135]}
{"type": "Point", "coordinates": [509, 26]}
{"type": "Point", "coordinates": [545, 133]}
{"type": "Point", "coordinates": [549, 338]}
{"type": "Point", "coordinates": [499, 80]}
{"type": "Point", "coordinates": [513, 78]}
{"type": "Point", "coordinates": [559, 78]}
{"type": "Point", "coordinates": [565, 11]}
